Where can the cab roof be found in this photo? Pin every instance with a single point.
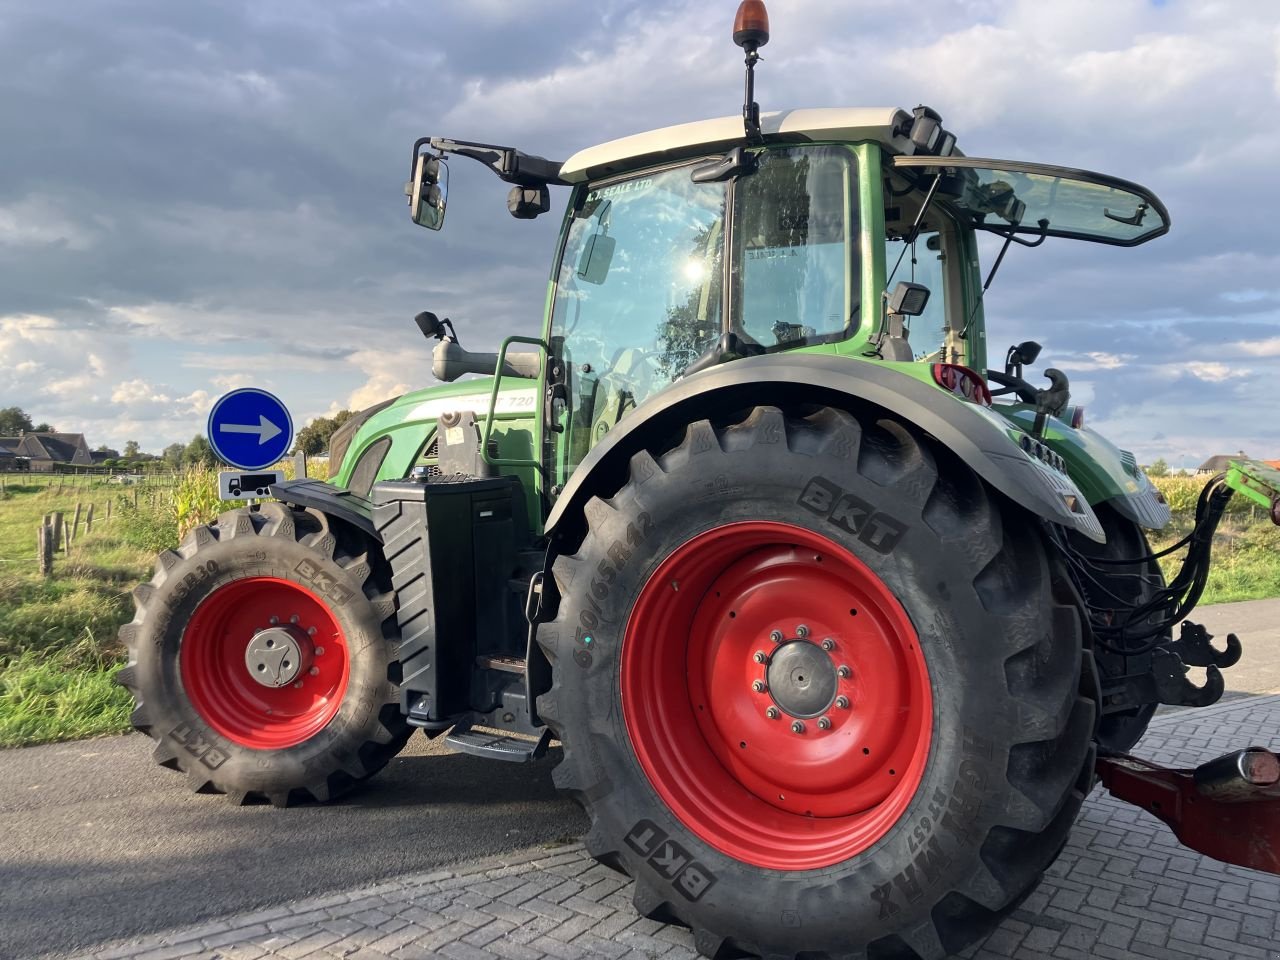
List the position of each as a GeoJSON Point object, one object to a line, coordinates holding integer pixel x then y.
{"type": "Point", "coordinates": [888, 125]}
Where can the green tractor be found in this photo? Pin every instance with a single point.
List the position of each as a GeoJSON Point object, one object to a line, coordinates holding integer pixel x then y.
{"type": "Point", "coordinates": [832, 640]}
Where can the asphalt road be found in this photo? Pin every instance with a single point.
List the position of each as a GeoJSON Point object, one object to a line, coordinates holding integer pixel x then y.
{"type": "Point", "coordinates": [97, 844]}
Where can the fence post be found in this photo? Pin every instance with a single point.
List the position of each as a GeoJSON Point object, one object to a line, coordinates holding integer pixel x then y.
{"type": "Point", "coordinates": [57, 529]}
{"type": "Point", "coordinates": [108, 509]}
{"type": "Point", "coordinates": [135, 496]}
{"type": "Point", "coordinates": [75, 522]}
{"type": "Point", "coordinates": [44, 548]}
{"type": "Point", "coordinates": [88, 520]}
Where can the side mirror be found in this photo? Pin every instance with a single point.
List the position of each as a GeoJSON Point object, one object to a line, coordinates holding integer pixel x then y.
{"type": "Point", "coordinates": [430, 325]}
{"type": "Point", "coordinates": [1019, 355]}
{"type": "Point", "coordinates": [427, 191]}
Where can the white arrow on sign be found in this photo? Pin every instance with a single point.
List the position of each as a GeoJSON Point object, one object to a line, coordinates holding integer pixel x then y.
{"type": "Point", "coordinates": [266, 430]}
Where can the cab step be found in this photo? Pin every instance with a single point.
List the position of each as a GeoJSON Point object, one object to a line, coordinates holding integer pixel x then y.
{"type": "Point", "coordinates": [498, 744]}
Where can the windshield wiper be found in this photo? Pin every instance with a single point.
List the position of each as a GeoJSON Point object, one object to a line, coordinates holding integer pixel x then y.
{"type": "Point", "coordinates": [914, 233]}
{"type": "Point", "coordinates": [736, 163]}
{"type": "Point", "coordinates": [1004, 248]}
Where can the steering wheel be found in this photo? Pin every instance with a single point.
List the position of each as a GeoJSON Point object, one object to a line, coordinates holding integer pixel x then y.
{"type": "Point", "coordinates": [1011, 384]}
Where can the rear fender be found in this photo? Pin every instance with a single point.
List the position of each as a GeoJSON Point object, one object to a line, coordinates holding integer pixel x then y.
{"type": "Point", "coordinates": [976, 434]}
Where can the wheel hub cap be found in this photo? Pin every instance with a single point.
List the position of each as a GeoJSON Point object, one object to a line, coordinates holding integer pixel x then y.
{"type": "Point", "coordinates": [275, 657]}
{"type": "Point", "coordinates": [802, 679]}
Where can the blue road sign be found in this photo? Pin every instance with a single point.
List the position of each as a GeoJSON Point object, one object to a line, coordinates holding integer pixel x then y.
{"type": "Point", "coordinates": [250, 428]}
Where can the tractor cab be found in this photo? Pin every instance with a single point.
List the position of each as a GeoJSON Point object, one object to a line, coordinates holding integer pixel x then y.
{"type": "Point", "coordinates": [849, 232]}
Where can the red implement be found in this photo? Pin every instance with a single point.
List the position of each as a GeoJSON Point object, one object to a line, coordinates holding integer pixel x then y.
{"type": "Point", "coordinates": [1228, 808]}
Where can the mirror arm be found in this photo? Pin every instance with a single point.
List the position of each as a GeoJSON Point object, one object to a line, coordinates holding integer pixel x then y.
{"type": "Point", "coordinates": [510, 164]}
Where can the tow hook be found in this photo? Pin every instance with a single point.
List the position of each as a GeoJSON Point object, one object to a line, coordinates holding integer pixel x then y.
{"type": "Point", "coordinates": [1227, 809]}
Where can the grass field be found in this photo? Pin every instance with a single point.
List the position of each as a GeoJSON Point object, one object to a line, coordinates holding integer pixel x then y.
{"type": "Point", "coordinates": [57, 634]}
{"type": "Point", "coordinates": [58, 647]}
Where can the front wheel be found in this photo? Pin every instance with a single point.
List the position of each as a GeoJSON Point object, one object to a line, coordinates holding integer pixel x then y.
{"type": "Point", "coordinates": [261, 658]}
{"type": "Point", "coordinates": [818, 690]}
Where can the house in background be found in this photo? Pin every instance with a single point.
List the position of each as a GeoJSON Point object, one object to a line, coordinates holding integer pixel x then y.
{"type": "Point", "coordinates": [108, 454]}
{"type": "Point", "coordinates": [1219, 463]}
{"type": "Point", "coordinates": [43, 450]}
{"type": "Point", "coordinates": [10, 461]}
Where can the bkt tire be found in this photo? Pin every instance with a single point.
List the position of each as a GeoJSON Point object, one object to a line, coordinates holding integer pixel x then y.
{"type": "Point", "coordinates": [261, 658]}
{"type": "Point", "coordinates": [819, 691]}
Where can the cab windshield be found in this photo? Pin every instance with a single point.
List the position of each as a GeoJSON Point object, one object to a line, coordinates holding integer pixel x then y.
{"type": "Point", "coordinates": [641, 286]}
{"type": "Point", "coordinates": [638, 296]}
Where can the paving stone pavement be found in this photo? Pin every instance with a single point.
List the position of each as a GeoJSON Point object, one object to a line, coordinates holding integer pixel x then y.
{"type": "Point", "coordinates": [1123, 888]}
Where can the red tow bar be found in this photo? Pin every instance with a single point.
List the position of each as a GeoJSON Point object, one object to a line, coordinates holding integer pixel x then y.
{"type": "Point", "coordinates": [1228, 808]}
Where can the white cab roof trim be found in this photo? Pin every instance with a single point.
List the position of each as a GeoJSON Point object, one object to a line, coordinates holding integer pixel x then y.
{"type": "Point", "coordinates": [834, 123]}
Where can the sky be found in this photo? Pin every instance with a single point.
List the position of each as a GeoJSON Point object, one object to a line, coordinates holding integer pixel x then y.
{"type": "Point", "coordinates": [199, 196]}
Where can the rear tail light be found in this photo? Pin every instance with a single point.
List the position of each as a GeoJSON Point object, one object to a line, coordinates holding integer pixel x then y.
{"type": "Point", "coordinates": [964, 383]}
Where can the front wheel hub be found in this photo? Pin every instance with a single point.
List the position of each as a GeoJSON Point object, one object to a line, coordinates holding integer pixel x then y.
{"type": "Point", "coordinates": [277, 656]}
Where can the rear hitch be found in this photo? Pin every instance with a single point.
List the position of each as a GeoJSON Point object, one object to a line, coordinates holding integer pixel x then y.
{"type": "Point", "coordinates": [1227, 809]}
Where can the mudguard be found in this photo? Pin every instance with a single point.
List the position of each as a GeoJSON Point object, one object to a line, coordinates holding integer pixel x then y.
{"type": "Point", "coordinates": [976, 434]}
{"type": "Point", "coordinates": [351, 507]}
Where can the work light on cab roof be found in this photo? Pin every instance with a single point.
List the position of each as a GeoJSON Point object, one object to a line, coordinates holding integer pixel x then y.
{"type": "Point", "coordinates": [831, 618]}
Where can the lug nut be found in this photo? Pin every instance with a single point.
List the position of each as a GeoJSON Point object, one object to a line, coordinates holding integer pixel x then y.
{"type": "Point", "coordinates": [824, 723]}
{"type": "Point", "coordinates": [844, 672]}
{"type": "Point", "coordinates": [319, 651]}
{"type": "Point", "coordinates": [802, 631]}
{"type": "Point", "coordinates": [797, 727]}
{"type": "Point", "coordinates": [311, 631]}
{"type": "Point", "coordinates": [828, 644]}
{"type": "Point", "coordinates": [274, 620]}
{"type": "Point", "coordinates": [773, 713]}
{"type": "Point", "coordinates": [842, 702]}
{"type": "Point", "coordinates": [776, 636]}
{"type": "Point", "coordinates": [298, 685]}
{"type": "Point", "coordinates": [758, 686]}
{"type": "Point", "coordinates": [314, 671]}
{"type": "Point", "coordinates": [294, 618]}
{"type": "Point", "coordinates": [761, 657]}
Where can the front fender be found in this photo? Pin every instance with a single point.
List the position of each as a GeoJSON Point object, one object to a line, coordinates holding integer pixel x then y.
{"type": "Point", "coordinates": [335, 501]}
{"type": "Point", "coordinates": [976, 434]}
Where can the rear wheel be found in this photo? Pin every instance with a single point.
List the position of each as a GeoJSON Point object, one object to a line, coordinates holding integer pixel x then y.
{"type": "Point", "coordinates": [817, 690]}
{"type": "Point", "coordinates": [261, 658]}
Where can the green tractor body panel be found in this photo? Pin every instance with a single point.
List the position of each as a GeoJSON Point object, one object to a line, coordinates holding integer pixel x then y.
{"type": "Point", "coordinates": [392, 440]}
{"type": "Point", "coordinates": [1103, 472]}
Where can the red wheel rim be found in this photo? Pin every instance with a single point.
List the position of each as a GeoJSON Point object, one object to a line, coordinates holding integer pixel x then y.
{"type": "Point", "coordinates": [220, 683]}
{"type": "Point", "coordinates": [700, 724]}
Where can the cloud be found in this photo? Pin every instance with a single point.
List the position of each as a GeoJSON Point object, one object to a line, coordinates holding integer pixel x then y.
{"type": "Point", "coordinates": [201, 197]}
{"type": "Point", "coordinates": [38, 221]}
{"type": "Point", "coordinates": [1260, 348]}
{"type": "Point", "coordinates": [1213, 371]}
